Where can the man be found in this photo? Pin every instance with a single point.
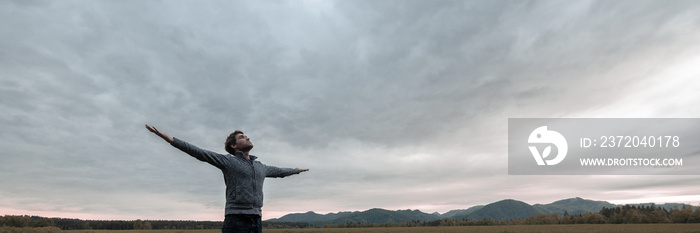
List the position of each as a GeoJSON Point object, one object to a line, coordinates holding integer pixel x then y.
{"type": "Point", "coordinates": [243, 175]}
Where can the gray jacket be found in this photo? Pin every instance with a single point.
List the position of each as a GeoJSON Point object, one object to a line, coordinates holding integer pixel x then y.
{"type": "Point", "coordinates": [244, 179]}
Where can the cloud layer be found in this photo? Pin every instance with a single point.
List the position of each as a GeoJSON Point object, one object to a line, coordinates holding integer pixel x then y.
{"type": "Point", "coordinates": [392, 104]}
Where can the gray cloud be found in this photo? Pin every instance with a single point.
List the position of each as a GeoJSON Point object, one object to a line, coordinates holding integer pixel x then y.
{"type": "Point", "coordinates": [393, 104]}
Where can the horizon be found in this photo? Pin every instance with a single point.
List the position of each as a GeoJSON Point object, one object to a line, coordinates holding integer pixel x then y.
{"type": "Point", "coordinates": [322, 213]}
{"type": "Point", "coordinates": [391, 104]}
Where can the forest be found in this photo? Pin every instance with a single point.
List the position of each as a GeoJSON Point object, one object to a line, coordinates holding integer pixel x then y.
{"type": "Point", "coordinates": [627, 214]}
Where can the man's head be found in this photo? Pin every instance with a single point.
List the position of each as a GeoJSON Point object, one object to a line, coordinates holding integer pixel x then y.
{"type": "Point", "coordinates": [238, 141]}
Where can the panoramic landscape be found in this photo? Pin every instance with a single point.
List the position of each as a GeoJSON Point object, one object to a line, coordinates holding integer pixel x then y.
{"type": "Point", "coordinates": [349, 116]}
{"type": "Point", "coordinates": [502, 210]}
{"type": "Point", "coordinates": [566, 215]}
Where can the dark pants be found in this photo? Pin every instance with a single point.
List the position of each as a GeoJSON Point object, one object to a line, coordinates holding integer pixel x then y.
{"type": "Point", "coordinates": [242, 223]}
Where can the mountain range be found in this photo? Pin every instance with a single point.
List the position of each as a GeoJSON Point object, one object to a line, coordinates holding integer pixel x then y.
{"type": "Point", "coordinates": [500, 210]}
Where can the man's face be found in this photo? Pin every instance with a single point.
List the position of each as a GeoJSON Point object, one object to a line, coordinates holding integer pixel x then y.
{"type": "Point", "coordinates": [243, 143]}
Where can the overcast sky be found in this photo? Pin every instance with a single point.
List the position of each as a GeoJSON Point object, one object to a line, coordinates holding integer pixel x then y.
{"type": "Point", "coordinates": [391, 104]}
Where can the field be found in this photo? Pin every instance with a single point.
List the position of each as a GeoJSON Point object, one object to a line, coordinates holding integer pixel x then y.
{"type": "Point", "coordinates": [580, 228]}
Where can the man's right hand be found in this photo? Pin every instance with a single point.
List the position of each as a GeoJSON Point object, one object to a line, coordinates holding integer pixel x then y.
{"type": "Point", "coordinates": [163, 135]}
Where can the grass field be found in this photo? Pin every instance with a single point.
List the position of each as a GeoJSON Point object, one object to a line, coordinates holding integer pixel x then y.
{"type": "Point", "coordinates": [579, 228]}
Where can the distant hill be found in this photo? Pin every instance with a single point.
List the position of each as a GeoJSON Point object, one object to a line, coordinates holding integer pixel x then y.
{"type": "Point", "coordinates": [573, 206]}
{"type": "Point", "coordinates": [512, 209]}
{"type": "Point", "coordinates": [501, 210]}
{"type": "Point", "coordinates": [382, 215]}
{"type": "Point", "coordinates": [452, 213]}
{"type": "Point", "coordinates": [311, 217]}
{"type": "Point", "coordinates": [369, 216]}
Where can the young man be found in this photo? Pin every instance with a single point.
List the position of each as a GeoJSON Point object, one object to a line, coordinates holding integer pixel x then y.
{"type": "Point", "coordinates": [243, 175]}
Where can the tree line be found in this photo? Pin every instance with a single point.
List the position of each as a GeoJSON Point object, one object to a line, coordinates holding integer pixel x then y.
{"type": "Point", "coordinates": [618, 215]}
{"type": "Point", "coordinates": [77, 224]}
{"type": "Point", "coordinates": [26, 221]}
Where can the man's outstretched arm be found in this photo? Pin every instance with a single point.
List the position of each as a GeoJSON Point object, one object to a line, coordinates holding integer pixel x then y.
{"type": "Point", "coordinates": [210, 157]}
{"type": "Point", "coordinates": [160, 134]}
{"type": "Point", "coordinates": [272, 171]}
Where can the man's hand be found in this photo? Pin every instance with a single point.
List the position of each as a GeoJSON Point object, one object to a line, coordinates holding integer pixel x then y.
{"type": "Point", "coordinates": [163, 135]}
{"type": "Point", "coordinates": [303, 170]}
